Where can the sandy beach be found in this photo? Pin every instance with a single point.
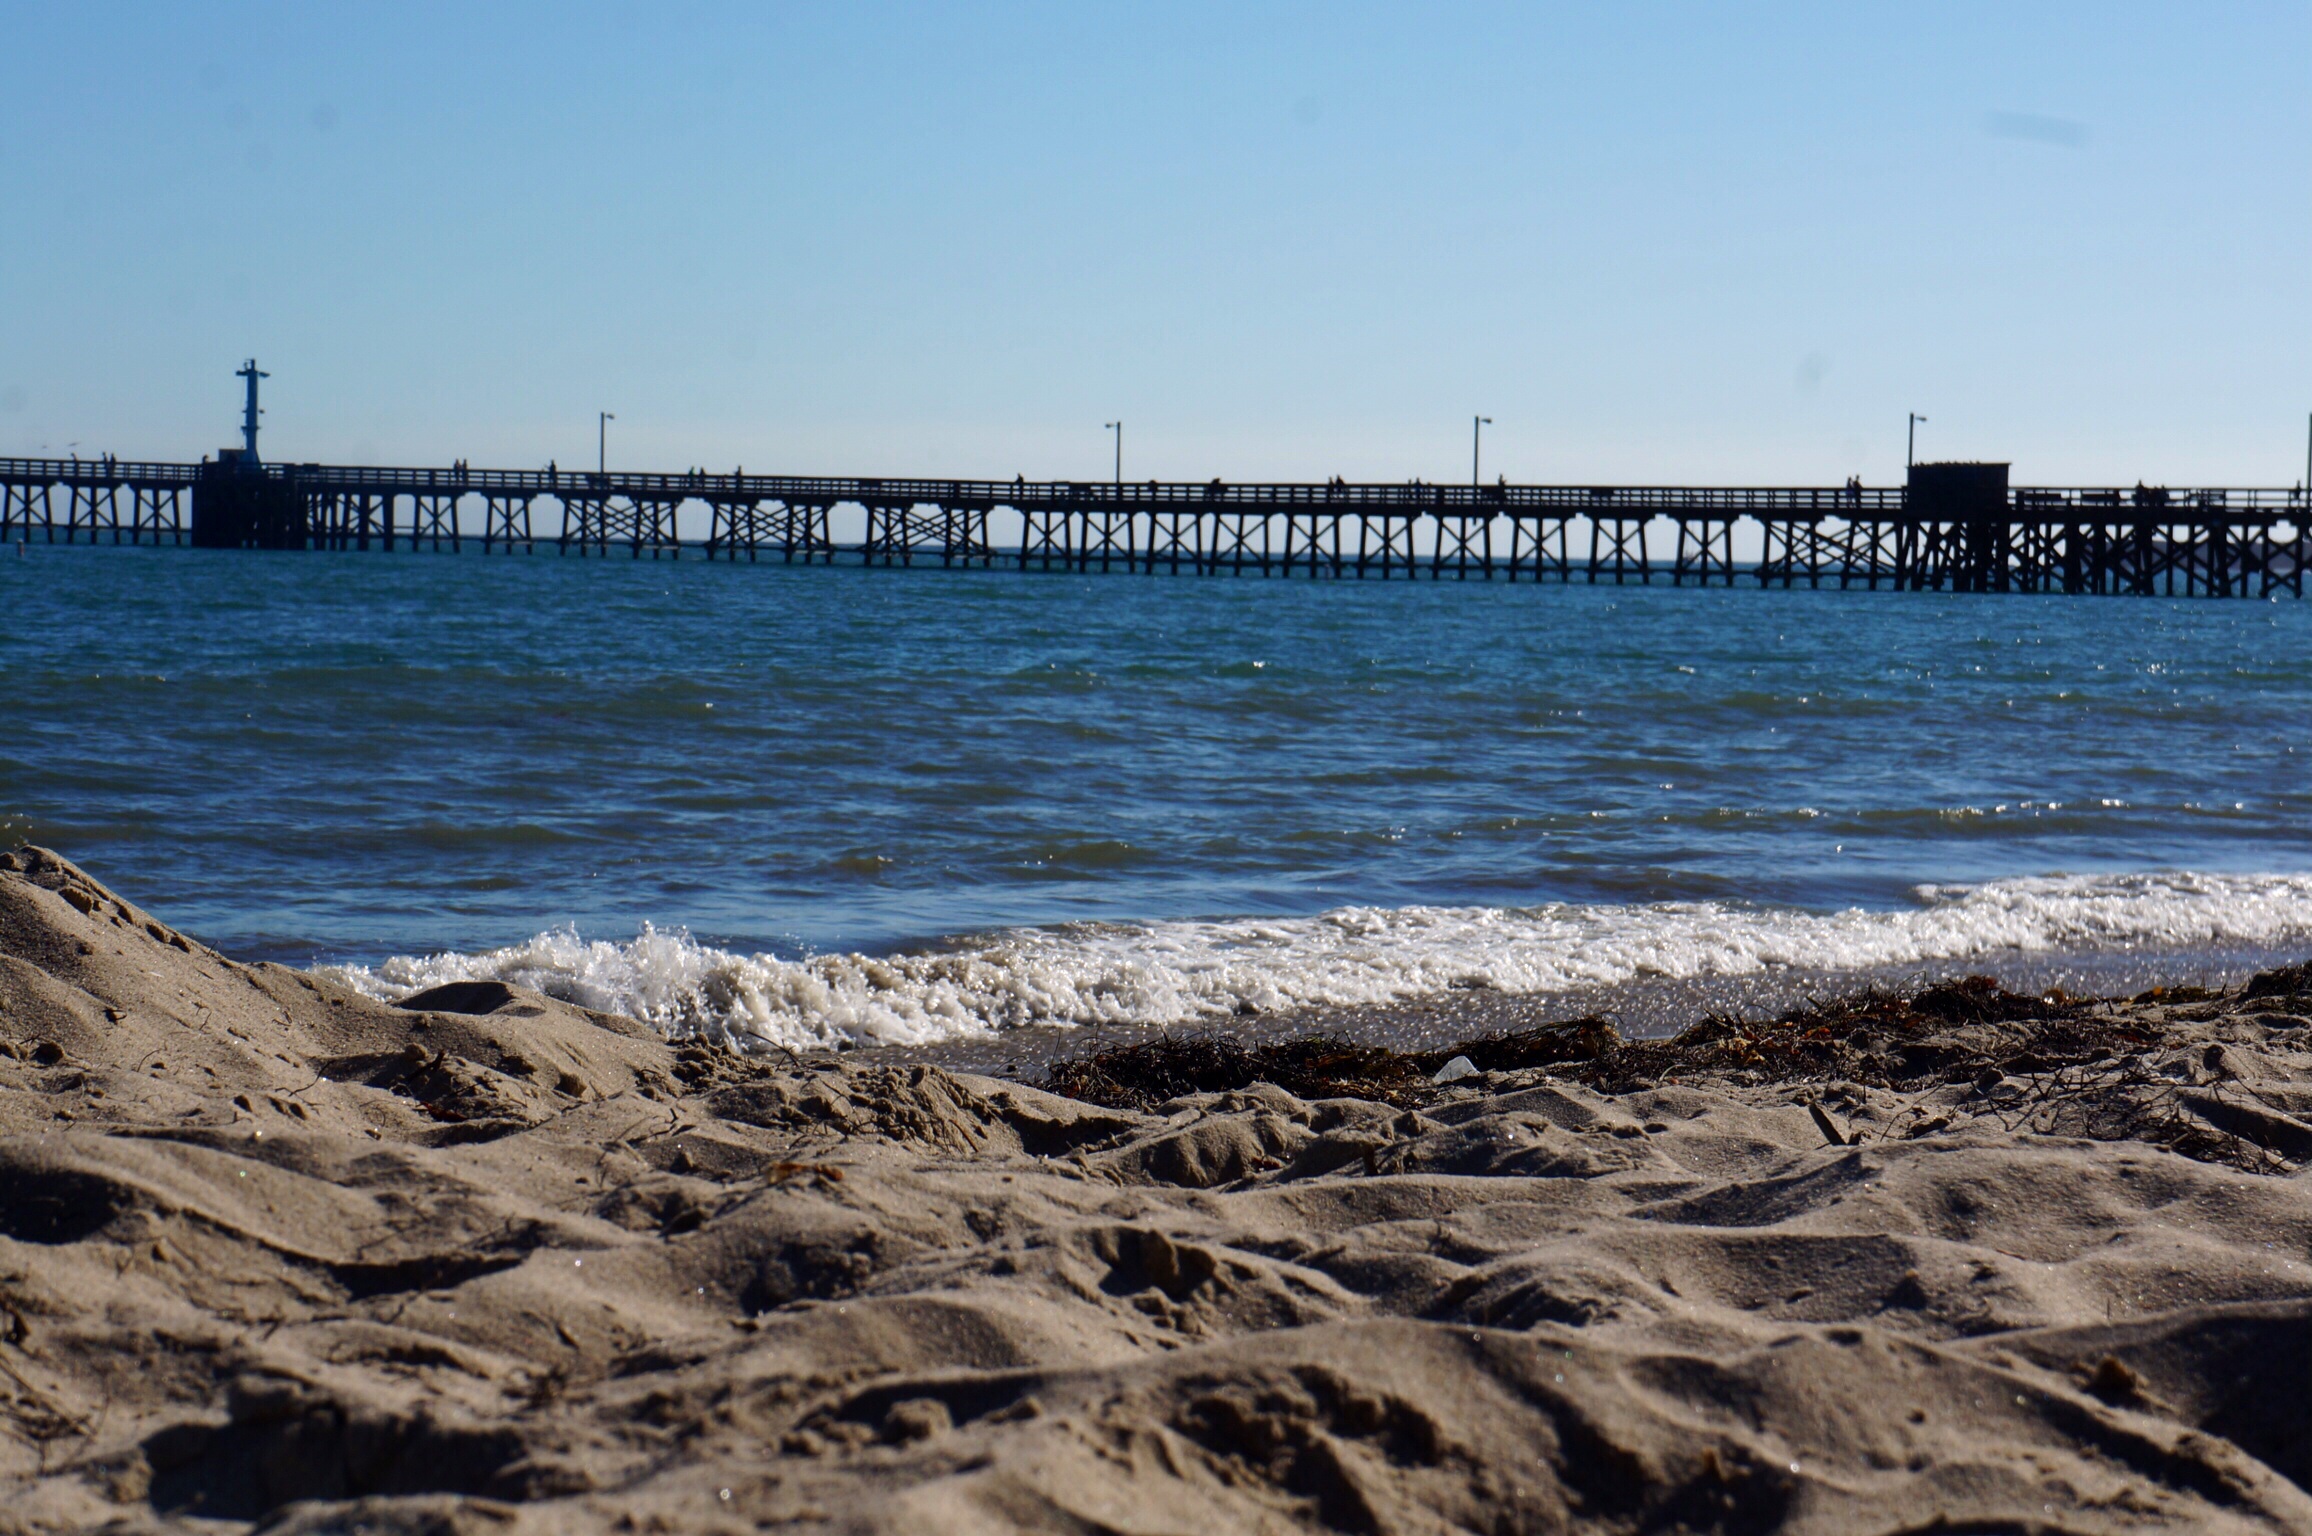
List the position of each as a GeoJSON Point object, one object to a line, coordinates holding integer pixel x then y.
{"type": "Point", "coordinates": [275, 1255]}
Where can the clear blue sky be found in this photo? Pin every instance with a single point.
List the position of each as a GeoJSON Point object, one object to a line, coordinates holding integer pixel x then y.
{"type": "Point", "coordinates": [1653, 242]}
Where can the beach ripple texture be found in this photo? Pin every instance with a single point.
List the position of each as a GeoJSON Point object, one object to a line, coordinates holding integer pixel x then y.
{"type": "Point", "coordinates": [812, 806]}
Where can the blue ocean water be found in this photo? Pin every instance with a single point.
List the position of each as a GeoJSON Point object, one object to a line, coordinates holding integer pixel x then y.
{"type": "Point", "coordinates": [852, 804]}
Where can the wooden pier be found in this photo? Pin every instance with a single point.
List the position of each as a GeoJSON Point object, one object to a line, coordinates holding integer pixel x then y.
{"type": "Point", "coordinates": [1953, 528]}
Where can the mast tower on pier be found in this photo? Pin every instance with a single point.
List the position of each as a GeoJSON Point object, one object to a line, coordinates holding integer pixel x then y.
{"type": "Point", "coordinates": [249, 411]}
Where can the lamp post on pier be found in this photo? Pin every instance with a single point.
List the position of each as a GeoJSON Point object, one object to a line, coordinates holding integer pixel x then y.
{"type": "Point", "coordinates": [1911, 443]}
{"type": "Point", "coordinates": [602, 420]}
{"type": "Point", "coordinates": [1477, 426]}
{"type": "Point", "coordinates": [1117, 427]}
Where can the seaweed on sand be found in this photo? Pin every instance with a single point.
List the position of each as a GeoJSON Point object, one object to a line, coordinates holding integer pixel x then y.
{"type": "Point", "coordinates": [1543, 1045]}
{"type": "Point", "coordinates": [1800, 1044]}
{"type": "Point", "coordinates": [2142, 1069]}
{"type": "Point", "coordinates": [1142, 1077]}
{"type": "Point", "coordinates": [1870, 1036]}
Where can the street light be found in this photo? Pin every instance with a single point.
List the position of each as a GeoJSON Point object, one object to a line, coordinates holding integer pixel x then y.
{"type": "Point", "coordinates": [1911, 443]}
{"type": "Point", "coordinates": [1477, 426]}
{"type": "Point", "coordinates": [602, 442]}
{"type": "Point", "coordinates": [1117, 427]}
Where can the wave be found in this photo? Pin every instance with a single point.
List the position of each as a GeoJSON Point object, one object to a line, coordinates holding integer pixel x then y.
{"type": "Point", "coordinates": [1180, 972]}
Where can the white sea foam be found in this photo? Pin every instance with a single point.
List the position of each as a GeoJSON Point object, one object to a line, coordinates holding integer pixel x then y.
{"type": "Point", "coordinates": [1178, 972]}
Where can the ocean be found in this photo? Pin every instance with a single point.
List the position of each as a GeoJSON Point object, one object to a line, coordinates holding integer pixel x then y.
{"type": "Point", "coordinates": [818, 806]}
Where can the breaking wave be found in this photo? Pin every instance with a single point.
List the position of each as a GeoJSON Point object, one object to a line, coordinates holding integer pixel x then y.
{"type": "Point", "coordinates": [1179, 972]}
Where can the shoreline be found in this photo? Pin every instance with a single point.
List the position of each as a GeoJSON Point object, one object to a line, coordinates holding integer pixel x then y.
{"type": "Point", "coordinates": [1650, 1008]}
{"type": "Point", "coordinates": [1397, 975]}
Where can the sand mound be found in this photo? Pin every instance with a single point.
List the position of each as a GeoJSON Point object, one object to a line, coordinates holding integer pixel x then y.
{"type": "Point", "coordinates": [273, 1254]}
